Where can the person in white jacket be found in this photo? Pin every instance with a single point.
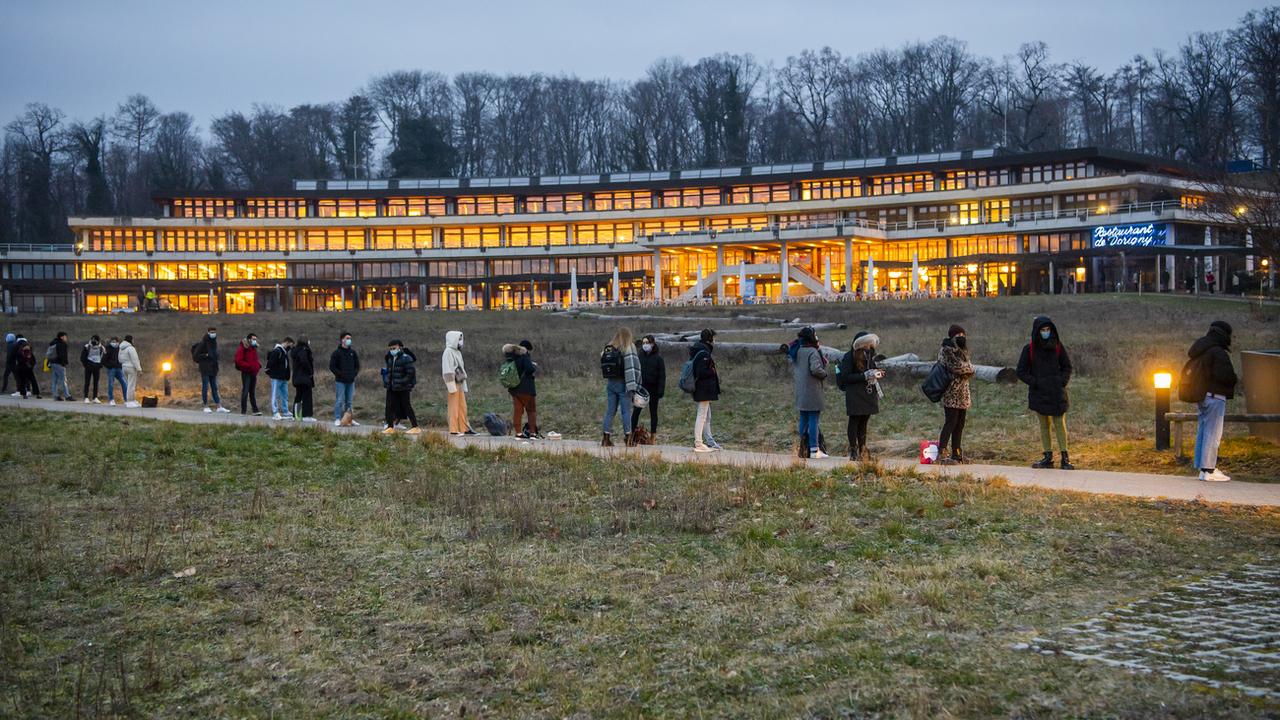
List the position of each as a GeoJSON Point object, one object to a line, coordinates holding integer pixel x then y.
{"type": "Point", "coordinates": [454, 372]}
{"type": "Point", "coordinates": [132, 368]}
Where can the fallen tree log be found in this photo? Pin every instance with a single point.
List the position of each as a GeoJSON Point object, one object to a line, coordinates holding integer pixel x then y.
{"type": "Point", "coordinates": [794, 323]}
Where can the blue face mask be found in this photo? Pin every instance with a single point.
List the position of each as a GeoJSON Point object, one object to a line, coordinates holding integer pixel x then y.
{"type": "Point", "coordinates": [1046, 333]}
{"type": "Point", "coordinates": [394, 351]}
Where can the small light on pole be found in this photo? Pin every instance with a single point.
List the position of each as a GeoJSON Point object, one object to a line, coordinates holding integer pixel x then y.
{"type": "Point", "coordinates": [165, 368]}
{"type": "Point", "coordinates": [1163, 381]}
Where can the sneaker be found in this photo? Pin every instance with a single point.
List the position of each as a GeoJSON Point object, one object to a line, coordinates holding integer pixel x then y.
{"type": "Point", "coordinates": [355, 424]}
{"type": "Point", "coordinates": [208, 409]}
{"type": "Point", "coordinates": [703, 448]}
{"type": "Point", "coordinates": [308, 419]}
{"type": "Point", "coordinates": [714, 445]}
{"type": "Point", "coordinates": [1215, 476]}
{"type": "Point", "coordinates": [818, 455]}
{"type": "Point", "coordinates": [133, 404]}
{"type": "Point", "coordinates": [401, 426]}
{"type": "Point", "coordinates": [413, 431]}
{"type": "Point", "coordinates": [469, 432]}
{"type": "Point", "coordinates": [58, 398]}
{"type": "Point", "coordinates": [112, 401]}
{"type": "Point", "coordinates": [388, 431]}
{"type": "Point", "coordinates": [277, 416]}
{"type": "Point", "coordinates": [222, 409]}
{"type": "Point", "coordinates": [96, 401]}
{"type": "Point", "coordinates": [17, 395]}
{"type": "Point", "coordinates": [87, 401]}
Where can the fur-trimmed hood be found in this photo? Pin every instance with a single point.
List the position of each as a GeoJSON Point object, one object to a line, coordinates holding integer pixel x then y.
{"type": "Point", "coordinates": [513, 349]}
{"type": "Point", "coordinates": [869, 340]}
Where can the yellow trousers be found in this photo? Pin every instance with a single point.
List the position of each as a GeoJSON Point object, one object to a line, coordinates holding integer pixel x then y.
{"type": "Point", "coordinates": [458, 412]}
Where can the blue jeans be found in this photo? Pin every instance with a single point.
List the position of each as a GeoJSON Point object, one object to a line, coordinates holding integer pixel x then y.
{"type": "Point", "coordinates": [616, 392]}
{"type": "Point", "coordinates": [345, 393]}
{"type": "Point", "coordinates": [207, 383]}
{"type": "Point", "coordinates": [115, 375]}
{"type": "Point", "coordinates": [1209, 432]}
{"type": "Point", "coordinates": [808, 427]}
{"type": "Point", "coordinates": [280, 397]}
{"type": "Point", "coordinates": [60, 387]}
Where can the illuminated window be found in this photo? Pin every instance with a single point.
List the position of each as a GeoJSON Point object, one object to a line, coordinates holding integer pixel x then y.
{"type": "Point", "coordinates": [95, 303]}
{"type": "Point", "coordinates": [401, 238]}
{"type": "Point", "coordinates": [651, 227]}
{"type": "Point", "coordinates": [275, 208]}
{"type": "Point", "coordinates": [900, 184]}
{"type": "Point", "coordinates": [737, 223]}
{"type": "Point", "coordinates": [602, 233]}
{"type": "Point", "coordinates": [998, 210]}
{"type": "Point", "coordinates": [193, 240]}
{"type": "Point", "coordinates": [265, 240]}
{"type": "Point", "coordinates": [1193, 202]}
{"type": "Point", "coordinates": [203, 208]}
{"type": "Point", "coordinates": [487, 205]}
{"type": "Point", "coordinates": [553, 203]}
{"type": "Point", "coordinates": [334, 239]}
{"type": "Point", "coordinates": [691, 197]}
{"type": "Point", "coordinates": [198, 303]}
{"type": "Point", "coordinates": [119, 240]}
{"type": "Point", "coordinates": [471, 237]}
{"type": "Point", "coordinates": [622, 200]}
{"type": "Point", "coordinates": [186, 271]}
{"type": "Point", "coordinates": [532, 235]}
{"type": "Point", "coordinates": [253, 271]}
{"type": "Point", "coordinates": [831, 189]}
{"type": "Point", "coordinates": [1094, 201]}
{"type": "Point", "coordinates": [415, 206]}
{"type": "Point", "coordinates": [744, 194]}
{"type": "Point", "coordinates": [347, 208]}
{"type": "Point", "coordinates": [113, 271]}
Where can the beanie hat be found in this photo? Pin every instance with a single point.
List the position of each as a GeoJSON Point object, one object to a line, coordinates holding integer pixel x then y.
{"type": "Point", "coordinates": [706, 335]}
{"type": "Point", "coordinates": [955, 330]}
{"type": "Point", "coordinates": [1222, 326]}
{"type": "Point", "coordinates": [526, 344]}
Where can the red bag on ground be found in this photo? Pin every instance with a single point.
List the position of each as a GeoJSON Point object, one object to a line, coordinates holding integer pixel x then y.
{"type": "Point", "coordinates": [928, 452]}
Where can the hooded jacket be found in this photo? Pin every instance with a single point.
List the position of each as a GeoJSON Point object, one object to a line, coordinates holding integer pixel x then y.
{"type": "Point", "coordinates": [653, 372]}
{"type": "Point", "coordinates": [955, 359]}
{"type": "Point", "coordinates": [206, 355]}
{"type": "Point", "coordinates": [303, 365]}
{"type": "Point", "coordinates": [246, 360]}
{"type": "Point", "coordinates": [278, 363]}
{"type": "Point", "coordinates": [110, 357]}
{"type": "Point", "coordinates": [129, 357]}
{"type": "Point", "coordinates": [344, 363]}
{"type": "Point", "coordinates": [1214, 354]}
{"type": "Point", "coordinates": [809, 371]}
{"type": "Point", "coordinates": [1045, 367]}
{"type": "Point", "coordinates": [59, 352]}
{"type": "Point", "coordinates": [24, 358]}
{"type": "Point", "coordinates": [401, 374]}
{"type": "Point", "coordinates": [91, 355]}
{"type": "Point", "coordinates": [854, 376]}
{"type": "Point", "coordinates": [452, 368]}
{"type": "Point", "coordinates": [706, 379]}
{"type": "Point", "coordinates": [524, 366]}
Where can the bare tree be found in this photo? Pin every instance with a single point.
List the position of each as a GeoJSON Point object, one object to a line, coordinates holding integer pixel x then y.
{"type": "Point", "coordinates": [1257, 45]}
{"type": "Point", "coordinates": [1199, 89]}
{"type": "Point", "coordinates": [474, 93]}
{"type": "Point", "coordinates": [808, 82]}
{"type": "Point", "coordinates": [88, 142]}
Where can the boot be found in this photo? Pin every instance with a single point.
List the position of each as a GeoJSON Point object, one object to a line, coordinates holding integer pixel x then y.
{"type": "Point", "coordinates": [653, 439]}
{"type": "Point", "coordinates": [606, 442]}
{"type": "Point", "coordinates": [1045, 462]}
{"type": "Point", "coordinates": [629, 439]}
{"type": "Point", "coordinates": [1066, 462]}
{"type": "Point", "coordinates": [959, 457]}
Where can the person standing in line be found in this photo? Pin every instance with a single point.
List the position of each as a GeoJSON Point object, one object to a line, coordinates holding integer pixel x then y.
{"type": "Point", "coordinates": [524, 396]}
{"type": "Point", "coordinates": [132, 367]}
{"type": "Point", "coordinates": [344, 363]}
{"type": "Point", "coordinates": [249, 365]}
{"type": "Point", "coordinates": [653, 377]}
{"type": "Point", "coordinates": [454, 372]}
{"type": "Point", "coordinates": [57, 357]}
{"type": "Point", "coordinates": [24, 368]}
{"type": "Point", "coordinates": [399, 378]}
{"type": "Point", "coordinates": [859, 378]}
{"type": "Point", "coordinates": [620, 367]}
{"type": "Point", "coordinates": [91, 358]}
{"type": "Point", "coordinates": [1217, 379]}
{"type": "Point", "coordinates": [809, 372]}
{"type": "Point", "coordinates": [304, 369]}
{"type": "Point", "coordinates": [111, 361]}
{"type": "Point", "coordinates": [278, 371]}
{"type": "Point", "coordinates": [1045, 367]}
{"type": "Point", "coordinates": [706, 390]}
{"type": "Point", "coordinates": [954, 356]}
{"type": "Point", "coordinates": [10, 340]}
{"type": "Point", "coordinates": [205, 353]}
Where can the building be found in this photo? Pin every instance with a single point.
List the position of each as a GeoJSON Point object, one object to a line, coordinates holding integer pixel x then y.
{"type": "Point", "coordinates": [960, 223]}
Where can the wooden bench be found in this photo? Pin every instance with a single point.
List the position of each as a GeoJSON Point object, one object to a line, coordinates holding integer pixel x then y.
{"type": "Point", "coordinates": [1178, 418]}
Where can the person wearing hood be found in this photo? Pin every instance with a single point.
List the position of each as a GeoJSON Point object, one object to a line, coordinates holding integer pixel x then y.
{"type": "Point", "coordinates": [132, 367]}
{"type": "Point", "coordinates": [279, 371]}
{"type": "Point", "coordinates": [399, 378]}
{"type": "Point", "coordinates": [1045, 366]}
{"type": "Point", "coordinates": [10, 340]}
{"type": "Point", "coordinates": [91, 358]}
{"type": "Point", "coordinates": [247, 362]}
{"type": "Point", "coordinates": [454, 371]}
{"type": "Point", "coordinates": [57, 355]}
{"type": "Point", "coordinates": [303, 366]}
{"type": "Point", "coordinates": [706, 389]}
{"type": "Point", "coordinates": [809, 371]}
{"type": "Point", "coordinates": [344, 363]}
{"type": "Point", "coordinates": [653, 378]}
{"type": "Point", "coordinates": [859, 378]}
{"type": "Point", "coordinates": [111, 361]}
{"type": "Point", "coordinates": [1217, 376]}
{"type": "Point", "coordinates": [620, 367]}
{"type": "Point", "coordinates": [524, 396]}
{"type": "Point", "coordinates": [205, 353]}
{"type": "Point", "coordinates": [24, 368]}
{"type": "Point", "coordinates": [954, 356]}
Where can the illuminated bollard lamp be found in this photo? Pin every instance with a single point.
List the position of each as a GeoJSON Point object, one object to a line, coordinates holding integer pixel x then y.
{"type": "Point", "coordinates": [1163, 381]}
{"type": "Point", "coordinates": [165, 368]}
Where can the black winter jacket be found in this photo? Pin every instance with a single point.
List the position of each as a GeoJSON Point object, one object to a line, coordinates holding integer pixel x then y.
{"type": "Point", "coordinates": [1045, 367]}
{"type": "Point", "coordinates": [278, 363]}
{"type": "Point", "coordinates": [304, 366]}
{"type": "Point", "coordinates": [206, 355]}
{"type": "Point", "coordinates": [707, 379]}
{"type": "Point", "coordinates": [110, 357]}
{"type": "Point", "coordinates": [344, 363]}
{"type": "Point", "coordinates": [653, 373]}
{"type": "Point", "coordinates": [401, 375]}
{"type": "Point", "coordinates": [525, 366]}
{"type": "Point", "coordinates": [860, 397]}
{"type": "Point", "coordinates": [1214, 351]}
{"type": "Point", "coordinates": [59, 352]}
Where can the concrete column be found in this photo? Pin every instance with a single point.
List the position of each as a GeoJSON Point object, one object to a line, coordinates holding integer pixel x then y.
{"type": "Point", "coordinates": [826, 272]}
{"type": "Point", "coordinates": [784, 266]}
{"type": "Point", "coordinates": [617, 284]}
{"type": "Point", "coordinates": [368, 239]}
{"type": "Point", "coordinates": [848, 264]}
{"type": "Point", "coordinates": [568, 236]}
{"type": "Point", "coordinates": [742, 280]}
{"type": "Point", "coordinates": [342, 296]}
{"type": "Point", "coordinates": [720, 274]}
{"type": "Point", "coordinates": [1057, 204]}
{"type": "Point", "coordinates": [1051, 277]}
{"type": "Point", "coordinates": [657, 274]}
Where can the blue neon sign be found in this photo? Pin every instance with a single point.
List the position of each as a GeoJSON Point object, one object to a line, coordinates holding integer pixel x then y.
{"type": "Point", "coordinates": [1140, 235]}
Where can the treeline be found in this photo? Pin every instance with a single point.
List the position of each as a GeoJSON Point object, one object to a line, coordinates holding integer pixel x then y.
{"type": "Point", "coordinates": [1214, 98]}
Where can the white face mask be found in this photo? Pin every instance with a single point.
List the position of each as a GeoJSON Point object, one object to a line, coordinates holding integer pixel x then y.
{"type": "Point", "coordinates": [394, 351]}
{"type": "Point", "coordinates": [346, 342]}
{"type": "Point", "coordinates": [647, 347]}
{"type": "Point", "coordinates": [213, 336]}
{"type": "Point", "coordinates": [115, 345]}
{"type": "Point", "coordinates": [253, 343]}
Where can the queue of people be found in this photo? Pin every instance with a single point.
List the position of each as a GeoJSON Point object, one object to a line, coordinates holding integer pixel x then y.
{"type": "Point", "coordinates": [635, 378]}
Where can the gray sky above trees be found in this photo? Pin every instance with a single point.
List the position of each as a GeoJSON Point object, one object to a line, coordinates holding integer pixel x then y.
{"type": "Point", "coordinates": [207, 58]}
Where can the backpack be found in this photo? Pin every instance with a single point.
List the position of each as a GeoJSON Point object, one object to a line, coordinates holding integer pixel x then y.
{"type": "Point", "coordinates": [688, 382]}
{"type": "Point", "coordinates": [51, 352]}
{"type": "Point", "coordinates": [1191, 384]}
{"type": "Point", "coordinates": [611, 363]}
{"type": "Point", "coordinates": [936, 384]}
{"type": "Point", "coordinates": [509, 375]}
{"type": "Point", "coordinates": [496, 425]}
{"type": "Point", "coordinates": [195, 351]}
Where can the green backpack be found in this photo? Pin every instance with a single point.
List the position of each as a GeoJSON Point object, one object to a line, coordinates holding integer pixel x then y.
{"type": "Point", "coordinates": [508, 375]}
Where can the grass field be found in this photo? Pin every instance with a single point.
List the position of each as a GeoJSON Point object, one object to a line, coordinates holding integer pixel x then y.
{"type": "Point", "coordinates": [337, 576]}
{"type": "Point", "coordinates": [1116, 343]}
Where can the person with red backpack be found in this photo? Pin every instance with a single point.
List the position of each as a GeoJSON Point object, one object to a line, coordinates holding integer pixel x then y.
{"type": "Point", "coordinates": [1045, 367]}
{"type": "Point", "coordinates": [1209, 380]}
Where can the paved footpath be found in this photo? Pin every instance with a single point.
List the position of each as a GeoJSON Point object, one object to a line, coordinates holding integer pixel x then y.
{"type": "Point", "coordinates": [1142, 485]}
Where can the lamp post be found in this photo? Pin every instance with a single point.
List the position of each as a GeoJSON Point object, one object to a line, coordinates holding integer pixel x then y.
{"type": "Point", "coordinates": [165, 368]}
{"type": "Point", "coordinates": [1162, 381]}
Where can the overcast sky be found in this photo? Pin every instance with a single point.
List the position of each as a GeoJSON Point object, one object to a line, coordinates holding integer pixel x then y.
{"type": "Point", "coordinates": [211, 57]}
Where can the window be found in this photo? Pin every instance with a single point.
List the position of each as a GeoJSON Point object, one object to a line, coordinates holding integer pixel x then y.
{"type": "Point", "coordinates": [525, 266]}
{"type": "Point", "coordinates": [804, 219]}
{"type": "Point", "coordinates": [95, 304]}
{"type": "Point", "coordinates": [831, 189]}
{"type": "Point", "coordinates": [265, 240]}
{"type": "Point", "coordinates": [275, 208]}
{"type": "Point", "coordinates": [186, 271]}
{"type": "Point", "coordinates": [1193, 202]}
{"type": "Point", "coordinates": [1099, 202]}
{"type": "Point", "coordinates": [602, 233]}
{"type": "Point", "coordinates": [197, 303]}
{"type": "Point", "coordinates": [900, 184]}
{"type": "Point", "coordinates": [253, 271]}
{"type": "Point", "coordinates": [193, 240]}
{"type": "Point", "coordinates": [531, 235]}
{"type": "Point", "coordinates": [998, 210]}
{"type": "Point", "coordinates": [1057, 171]}
{"type": "Point", "coordinates": [415, 206]}
{"type": "Point", "coordinates": [993, 245]}
{"type": "Point", "coordinates": [40, 271]}
{"type": "Point", "coordinates": [691, 197]}
{"type": "Point", "coordinates": [655, 227]}
{"type": "Point", "coordinates": [320, 271]}
{"type": "Point", "coordinates": [553, 203]}
{"type": "Point", "coordinates": [334, 239]}
{"type": "Point", "coordinates": [487, 205]}
{"type": "Point", "coordinates": [1057, 242]}
{"type": "Point", "coordinates": [203, 208]}
{"type": "Point", "coordinates": [119, 240]}
{"type": "Point", "coordinates": [888, 215]}
{"type": "Point", "coordinates": [969, 179]}
{"type": "Point", "coordinates": [457, 269]}
{"type": "Point", "coordinates": [622, 200]}
{"type": "Point", "coordinates": [1031, 206]}
{"type": "Point", "coordinates": [389, 270]}
{"type": "Point", "coordinates": [471, 237]}
{"type": "Point", "coordinates": [744, 194]}
{"type": "Point", "coordinates": [401, 238]}
{"type": "Point", "coordinates": [739, 223]}
{"type": "Point", "coordinates": [316, 299]}
{"type": "Point", "coordinates": [347, 208]}
{"type": "Point", "coordinates": [113, 271]}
